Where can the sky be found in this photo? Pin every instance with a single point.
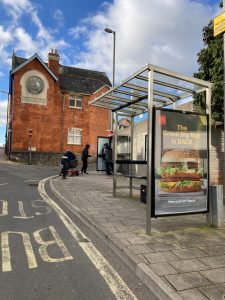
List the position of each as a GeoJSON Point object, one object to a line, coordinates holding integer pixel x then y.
{"type": "Point", "coordinates": [167, 33]}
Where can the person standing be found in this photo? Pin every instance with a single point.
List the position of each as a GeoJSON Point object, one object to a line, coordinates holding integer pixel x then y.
{"type": "Point", "coordinates": [107, 156]}
{"type": "Point", "coordinates": [64, 164]}
{"type": "Point", "coordinates": [84, 157]}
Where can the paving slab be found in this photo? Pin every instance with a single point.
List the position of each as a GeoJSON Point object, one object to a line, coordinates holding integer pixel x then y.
{"type": "Point", "coordinates": [180, 260]}
{"type": "Point", "coordinates": [160, 257]}
{"type": "Point", "coordinates": [162, 269]}
{"type": "Point", "coordinates": [214, 261]}
{"type": "Point", "coordinates": [160, 247]}
{"type": "Point", "coordinates": [189, 253]}
{"type": "Point", "coordinates": [188, 265]}
{"type": "Point", "coordinates": [214, 292]}
{"type": "Point", "coordinates": [140, 249]}
{"type": "Point", "coordinates": [192, 294]}
{"type": "Point", "coordinates": [187, 280]}
{"type": "Point", "coordinates": [213, 250]}
{"type": "Point", "coordinates": [215, 275]}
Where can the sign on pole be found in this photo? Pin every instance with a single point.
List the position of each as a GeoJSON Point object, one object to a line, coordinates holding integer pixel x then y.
{"type": "Point", "coordinates": [219, 24]}
{"type": "Point", "coordinates": [180, 179]}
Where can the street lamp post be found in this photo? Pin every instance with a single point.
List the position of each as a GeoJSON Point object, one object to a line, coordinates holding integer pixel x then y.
{"type": "Point", "coordinates": [108, 30]}
{"type": "Point", "coordinates": [7, 144]}
{"type": "Point", "coordinates": [113, 118]}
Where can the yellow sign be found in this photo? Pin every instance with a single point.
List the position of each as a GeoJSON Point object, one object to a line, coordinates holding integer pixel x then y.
{"type": "Point", "coordinates": [219, 24]}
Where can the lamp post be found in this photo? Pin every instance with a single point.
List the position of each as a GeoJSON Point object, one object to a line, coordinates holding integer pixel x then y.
{"type": "Point", "coordinates": [108, 30]}
{"type": "Point", "coordinates": [113, 125]}
{"type": "Point", "coordinates": [7, 144]}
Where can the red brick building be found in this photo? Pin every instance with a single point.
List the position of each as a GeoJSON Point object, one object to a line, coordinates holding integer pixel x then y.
{"type": "Point", "coordinates": [52, 100]}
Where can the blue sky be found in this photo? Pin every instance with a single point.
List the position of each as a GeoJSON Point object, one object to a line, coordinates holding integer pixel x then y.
{"type": "Point", "coordinates": [167, 33]}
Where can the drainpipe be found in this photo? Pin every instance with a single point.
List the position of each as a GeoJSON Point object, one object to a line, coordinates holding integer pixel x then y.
{"type": "Point", "coordinates": [63, 113]}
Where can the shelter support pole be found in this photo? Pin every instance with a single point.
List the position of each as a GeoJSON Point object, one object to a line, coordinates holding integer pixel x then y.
{"type": "Point", "coordinates": [149, 152]}
{"type": "Point", "coordinates": [131, 154]}
{"type": "Point", "coordinates": [208, 111]}
{"type": "Point", "coordinates": [224, 104]}
{"type": "Point", "coordinates": [115, 131]}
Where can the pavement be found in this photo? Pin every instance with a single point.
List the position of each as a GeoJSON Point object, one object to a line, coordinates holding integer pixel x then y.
{"type": "Point", "coordinates": [3, 156]}
{"type": "Point", "coordinates": [182, 259]}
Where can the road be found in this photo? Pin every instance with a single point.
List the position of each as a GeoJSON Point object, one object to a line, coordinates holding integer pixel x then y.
{"type": "Point", "coordinates": [45, 254]}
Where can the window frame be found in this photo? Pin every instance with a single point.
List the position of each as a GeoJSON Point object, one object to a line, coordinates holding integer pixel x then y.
{"type": "Point", "coordinates": [69, 135]}
{"type": "Point", "coordinates": [76, 98]}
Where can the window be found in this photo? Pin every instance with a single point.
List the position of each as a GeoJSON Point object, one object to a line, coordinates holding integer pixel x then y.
{"type": "Point", "coordinates": [75, 101]}
{"type": "Point", "coordinates": [74, 136]}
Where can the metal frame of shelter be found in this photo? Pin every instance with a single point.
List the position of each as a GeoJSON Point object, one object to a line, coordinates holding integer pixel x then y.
{"type": "Point", "coordinates": [148, 87]}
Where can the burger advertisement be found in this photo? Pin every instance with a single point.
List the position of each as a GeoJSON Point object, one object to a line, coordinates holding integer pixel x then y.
{"type": "Point", "coordinates": [180, 181]}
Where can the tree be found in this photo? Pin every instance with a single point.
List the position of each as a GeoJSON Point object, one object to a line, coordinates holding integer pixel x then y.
{"type": "Point", "coordinates": [210, 59]}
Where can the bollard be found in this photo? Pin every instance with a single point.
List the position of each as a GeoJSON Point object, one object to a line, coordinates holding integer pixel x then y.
{"type": "Point", "coordinates": [216, 206]}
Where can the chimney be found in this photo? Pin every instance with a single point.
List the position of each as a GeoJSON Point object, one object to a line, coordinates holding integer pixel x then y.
{"type": "Point", "coordinates": [53, 62]}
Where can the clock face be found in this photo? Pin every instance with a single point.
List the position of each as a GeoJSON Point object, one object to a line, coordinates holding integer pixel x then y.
{"type": "Point", "coordinates": [34, 85]}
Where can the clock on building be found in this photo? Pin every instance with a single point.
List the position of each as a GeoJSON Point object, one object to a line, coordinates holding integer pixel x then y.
{"type": "Point", "coordinates": [34, 85]}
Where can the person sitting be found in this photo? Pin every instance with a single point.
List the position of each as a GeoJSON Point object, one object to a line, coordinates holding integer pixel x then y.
{"type": "Point", "coordinates": [71, 158]}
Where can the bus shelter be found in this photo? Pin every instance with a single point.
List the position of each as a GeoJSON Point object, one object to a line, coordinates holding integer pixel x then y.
{"type": "Point", "coordinates": [157, 92]}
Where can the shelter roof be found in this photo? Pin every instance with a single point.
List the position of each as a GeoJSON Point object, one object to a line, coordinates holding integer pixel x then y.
{"type": "Point", "coordinates": [131, 96]}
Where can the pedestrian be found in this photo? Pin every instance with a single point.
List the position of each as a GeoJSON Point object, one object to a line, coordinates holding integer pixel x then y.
{"type": "Point", "coordinates": [64, 163]}
{"type": "Point", "coordinates": [107, 156]}
{"type": "Point", "coordinates": [84, 157]}
{"type": "Point", "coordinates": [71, 159]}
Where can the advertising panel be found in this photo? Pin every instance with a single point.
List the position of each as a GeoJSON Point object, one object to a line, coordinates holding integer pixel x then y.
{"type": "Point", "coordinates": [180, 156]}
{"type": "Point", "coordinates": [219, 24]}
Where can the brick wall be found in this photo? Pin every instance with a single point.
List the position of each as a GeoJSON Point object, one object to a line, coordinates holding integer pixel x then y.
{"type": "Point", "coordinates": [50, 123]}
{"type": "Point", "coordinates": [45, 120]}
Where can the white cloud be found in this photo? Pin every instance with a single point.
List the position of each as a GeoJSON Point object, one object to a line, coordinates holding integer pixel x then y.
{"type": "Point", "coordinates": [5, 37]}
{"type": "Point", "coordinates": [15, 35]}
{"type": "Point", "coordinates": [3, 112]}
{"type": "Point", "coordinates": [167, 33]}
{"type": "Point", "coordinates": [16, 8]}
{"type": "Point", "coordinates": [59, 17]}
{"type": "Point", "coordinates": [77, 31]}
{"type": "Point", "coordinates": [24, 42]}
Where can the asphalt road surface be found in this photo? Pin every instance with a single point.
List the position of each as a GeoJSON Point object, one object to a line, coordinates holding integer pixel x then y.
{"type": "Point", "coordinates": [45, 254]}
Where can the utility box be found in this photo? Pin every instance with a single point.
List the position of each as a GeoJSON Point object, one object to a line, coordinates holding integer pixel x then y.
{"type": "Point", "coordinates": [143, 193]}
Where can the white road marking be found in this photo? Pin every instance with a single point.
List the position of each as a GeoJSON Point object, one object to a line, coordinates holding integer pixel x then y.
{"type": "Point", "coordinates": [44, 245]}
{"type": "Point", "coordinates": [4, 208]}
{"type": "Point", "coordinates": [3, 183]}
{"type": "Point", "coordinates": [6, 257]}
{"type": "Point", "coordinates": [31, 180]}
{"type": "Point", "coordinates": [111, 277]}
{"type": "Point", "coordinates": [22, 212]}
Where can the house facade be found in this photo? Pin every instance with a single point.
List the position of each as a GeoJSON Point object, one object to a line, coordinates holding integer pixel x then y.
{"type": "Point", "coordinates": [48, 109]}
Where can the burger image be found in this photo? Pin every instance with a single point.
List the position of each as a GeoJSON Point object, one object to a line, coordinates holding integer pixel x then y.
{"type": "Point", "coordinates": [180, 172]}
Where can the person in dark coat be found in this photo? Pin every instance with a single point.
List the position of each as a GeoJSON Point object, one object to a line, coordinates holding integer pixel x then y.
{"type": "Point", "coordinates": [71, 158]}
{"type": "Point", "coordinates": [84, 157]}
{"type": "Point", "coordinates": [107, 156]}
{"type": "Point", "coordinates": [64, 163]}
